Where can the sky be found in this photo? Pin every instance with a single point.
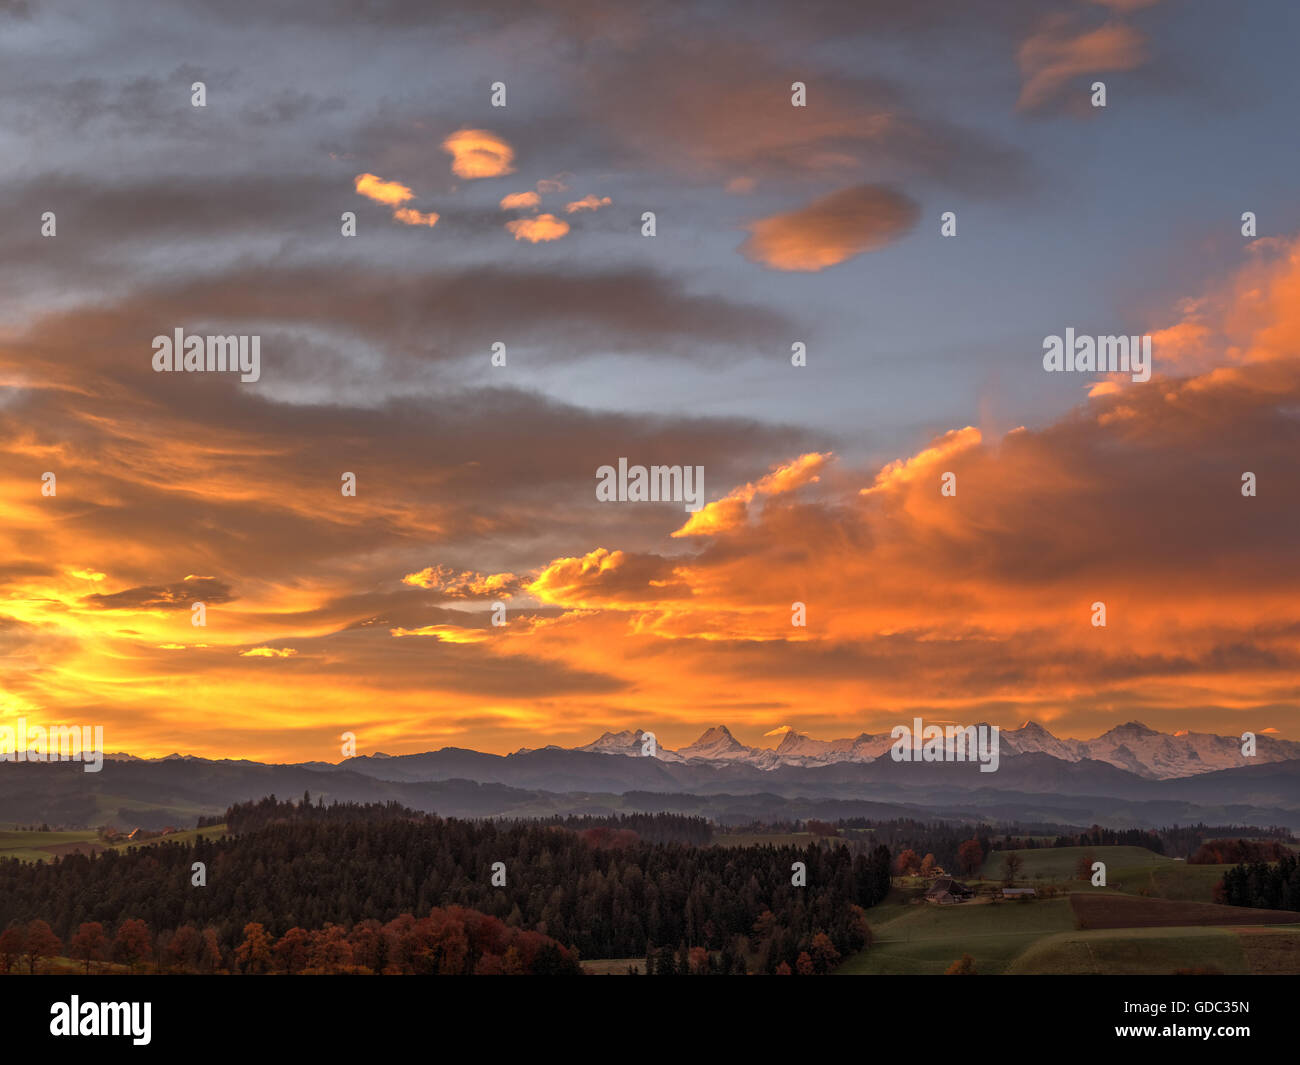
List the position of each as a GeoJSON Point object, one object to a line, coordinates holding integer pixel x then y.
{"type": "Point", "coordinates": [523, 225]}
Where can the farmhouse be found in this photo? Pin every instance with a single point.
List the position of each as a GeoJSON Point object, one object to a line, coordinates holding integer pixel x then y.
{"type": "Point", "coordinates": [945, 891]}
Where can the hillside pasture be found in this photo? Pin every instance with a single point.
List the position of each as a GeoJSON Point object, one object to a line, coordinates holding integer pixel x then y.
{"type": "Point", "coordinates": [42, 846]}
{"type": "Point", "coordinates": [1152, 951]}
{"type": "Point", "coordinates": [1129, 911]}
{"type": "Point", "coordinates": [926, 939]}
{"type": "Point", "coordinates": [1132, 870]}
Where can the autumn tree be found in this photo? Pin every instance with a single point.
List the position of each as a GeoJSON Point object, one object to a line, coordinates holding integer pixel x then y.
{"type": "Point", "coordinates": [291, 950]}
{"type": "Point", "coordinates": [1083, 867]}
{"type": "Point", "coordinates": [1012, 863]}
{"type": "Point", "coordinates": [804, 964]}
{"type": "Point", "coordinates": [184, 947]}
{"type": "Point", "coordinates": [970, 856]}
{"type": "Point", "coordinates": [88, 944]}
{"type": "Point", "coordinates": [13, 940]}
{"type": "Point", "coordinates": [332, 953]}
{"type": "Point", "coordinates": [824, 954]}
{"type": "Point", "coordinates": [253, 955]}
{"type": "Point", "coordinates": [369, 945]}
{"type": "Point", "coordinates": [210, 952]}
{"type": "Point", "coordinates": [132, 943]}
{"type": "Point", "coordinates": [858, 926]}
{"type": "Point", "coordinates": [907, 863]}
{"type": "Point", "coordinates": [927, 865]}
{"type": "Point", "coordinates": [40, 942]}
{"type": "Point", "coordinates": [963, 966]}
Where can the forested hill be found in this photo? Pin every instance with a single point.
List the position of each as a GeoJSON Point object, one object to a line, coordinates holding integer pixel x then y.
{"type": "Point", "coordinates": [650, 827]}
{"type": "Point", "coordinates": [607, 892]}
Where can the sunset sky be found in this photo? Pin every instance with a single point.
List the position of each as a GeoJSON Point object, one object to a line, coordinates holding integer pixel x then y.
{"type": "Point", "coordinates": [522, 225]}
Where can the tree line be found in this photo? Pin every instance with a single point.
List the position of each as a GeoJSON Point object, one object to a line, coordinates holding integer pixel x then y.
{"type": "Point", "coordinates": [944, 840]}
{"type": "Point", "coordinates": [1262, 885]}
{"type": "Point", "coordinates": [447, 942]}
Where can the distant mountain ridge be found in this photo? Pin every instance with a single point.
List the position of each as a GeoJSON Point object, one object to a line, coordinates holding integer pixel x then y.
{"type": "Point", "coordinates": [1131, 746]}
{"type": "Point", "coordinates": [1030, 787]}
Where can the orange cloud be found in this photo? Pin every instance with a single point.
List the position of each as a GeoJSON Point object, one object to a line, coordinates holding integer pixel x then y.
{"type": "Point", "coordinates": [830, 230]}
{"type": "Point", "coordinates": [390, 193]}
{"type": "Point", "coordinates": [588, 203]}
{"type": "Point", "coordinates": [476, 153]}
{"type": "Point", "coordinates": [517, 200]}
{"type": "Point", "coordinates": [1057, 53]}
{"type": "Point", "coordinates": [535, 230]}
{"type": "Point", "coordinates": [410, 217]}
{"type": "Point", "coordinates": [465, 585]}
{"type": "Point", "coordinates": [268, 652]}
{"type": "Point", "coordinates": [608, 577]}
{"type": "Point", "coordinates": [927, 463]}
{"type": "Point", "coordinates": [733, 509]}
{"type": "Point", "coordinates": [445, 633]}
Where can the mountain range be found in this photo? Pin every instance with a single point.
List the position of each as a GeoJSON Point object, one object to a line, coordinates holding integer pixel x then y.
{"type": "Point", "coordinates": [1130, 776]}
{"type": "Point", "coordinates": [1131, 746]}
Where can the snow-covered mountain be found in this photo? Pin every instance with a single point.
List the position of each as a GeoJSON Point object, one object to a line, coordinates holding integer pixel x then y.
{"type": "Point", "coordinates": [719, 745]}
{"type": "Point", "coordinates": [628, 742]}
{"type": "Point", "coordinates": [1031, 736]}
{"type": "Point", "coordinates": [799, 749]}
{"type": "Point", "coordinates": [1131, 746]}
{"type": "Point", "coordinates": [1146, 752]}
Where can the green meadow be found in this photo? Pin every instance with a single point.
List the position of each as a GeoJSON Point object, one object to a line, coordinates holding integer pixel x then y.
{"type": "Point", "coordinates": [1040, 936]}
{"type": "Point", "coordinates": [41, 846]}
{"type": "Point", "coordinates": [928, 938]}
{"type": "Point", "coordinates": [1234, 951]}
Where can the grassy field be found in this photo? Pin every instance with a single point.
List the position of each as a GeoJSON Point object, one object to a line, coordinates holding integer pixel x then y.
{"type": "Point", "coordinates": [1271, 950]}
{"type": "Point", "coordinates": [1043, 935]}
{"type": "Point", "coordinates": [612, 966]}
{"type": "Point", "coordinates": [927, 939]}
{"type": "Point", "coordinates": [41, 846]}
{"type": "Point", "coordinates": [1058, 863]}
{"type": "Point", "coordinates": [187, 836]}
{"type": "Point", "coordinates": [1235, 951]}
{"type": "Point", "coordinates": [1128, 869]}
{"type": "Point", "coordinates": [35, 846]}
{"type": "Point", "coordinates": [1113, 910]}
